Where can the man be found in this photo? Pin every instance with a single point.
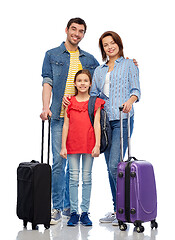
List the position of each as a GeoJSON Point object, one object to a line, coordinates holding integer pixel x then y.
{"type": "Point", "coordinates": [59, 68]}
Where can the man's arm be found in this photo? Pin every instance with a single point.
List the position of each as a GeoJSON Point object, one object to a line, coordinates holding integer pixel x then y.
{"type": "Point", "coordinates": [46, 96]}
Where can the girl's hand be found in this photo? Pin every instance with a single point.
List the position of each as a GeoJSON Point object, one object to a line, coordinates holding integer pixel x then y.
{"type": "Point", "coordinates": [95, 151]}
{"type": "Point", "coordinates": [63, 153]}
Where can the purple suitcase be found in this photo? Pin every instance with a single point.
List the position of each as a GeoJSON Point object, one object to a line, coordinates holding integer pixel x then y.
{"type": "Point", "coordinates": [136, 189]}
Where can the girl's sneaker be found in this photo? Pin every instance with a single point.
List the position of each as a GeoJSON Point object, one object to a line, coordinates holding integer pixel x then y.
{"type": "Point", "coordinates": [74, 219]}
{"type": "Point", "coordinates": [84, 219]}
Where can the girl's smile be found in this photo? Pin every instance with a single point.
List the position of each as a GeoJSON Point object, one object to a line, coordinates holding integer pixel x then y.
{"type": "Point", "coordinates": [82, 83]}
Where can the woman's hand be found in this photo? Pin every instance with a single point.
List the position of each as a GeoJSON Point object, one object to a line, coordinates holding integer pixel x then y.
{"type": "Point", "coordinates": [63, 153]}
{"type": "Point", "coordinates": [128, 104]}
{"type": "Point", "coordinates": [95, 151]}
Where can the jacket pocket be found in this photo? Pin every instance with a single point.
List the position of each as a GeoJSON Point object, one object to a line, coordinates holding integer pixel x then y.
{"type": "Point", "coordinates": [57, 67]}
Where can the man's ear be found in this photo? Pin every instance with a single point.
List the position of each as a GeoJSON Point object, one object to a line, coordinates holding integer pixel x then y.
{"type": "Point", "coordinates": [66, 30]}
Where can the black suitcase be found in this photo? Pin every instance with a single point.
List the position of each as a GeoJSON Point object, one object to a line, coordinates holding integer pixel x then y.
{"type": "Point", "coordinates": [34, 189]}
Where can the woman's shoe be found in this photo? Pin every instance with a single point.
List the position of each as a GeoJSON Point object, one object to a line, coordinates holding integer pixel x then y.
{"type": "Point", "coordinates": [74, 219]}
{"type": "Point", "coordinates": [84, 219]}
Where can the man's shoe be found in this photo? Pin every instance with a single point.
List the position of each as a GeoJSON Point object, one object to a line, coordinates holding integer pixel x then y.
{"type": "Point", "coordinates": [55, 216]}
{"type": "Point", "coordinates": [84, 219]}
{"type": "Point", "coordinates": [109, 218]}
{"type": "Point", "coordinates": [74, 219]}
{"type": "Point", "coordinates": [66, 213]}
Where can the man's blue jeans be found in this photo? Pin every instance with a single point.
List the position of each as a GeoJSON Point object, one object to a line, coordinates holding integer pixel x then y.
{"type": "Point", "coordinates": [112, 154]}
{"type": "Point", "coordinates": [60, 179]}
{"type": "Point", "coordinates": [74, 169]}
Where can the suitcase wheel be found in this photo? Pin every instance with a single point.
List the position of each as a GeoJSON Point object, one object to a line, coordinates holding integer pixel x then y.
{"type": "Point", "coordinates": [47, 226]}
{"type": "Point", "coordinates": [122, 226]}
{"type": "Point", "coordinates": [139, 229]}
{"type": "Point", "coordinates": [34, 226]}
{"type": "Point", "coordinates": [154, 224]}
{"type": "Point", "coordinates": [24, 223]}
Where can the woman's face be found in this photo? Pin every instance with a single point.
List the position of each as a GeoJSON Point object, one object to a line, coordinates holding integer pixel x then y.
{"type": "Point", "coordinates": [110, 47]}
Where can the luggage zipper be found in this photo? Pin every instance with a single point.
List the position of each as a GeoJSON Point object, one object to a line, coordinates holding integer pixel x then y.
{"type": "Point", "coordinates": [127, 191]}
{"type": "Point", "coordinates": [104, 128]}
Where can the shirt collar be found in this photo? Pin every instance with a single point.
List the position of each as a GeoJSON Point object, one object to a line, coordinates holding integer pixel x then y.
{"type": "Point", "coordinates": [117, 61]}
{"type": "Point", "coordinates": [63, 49]}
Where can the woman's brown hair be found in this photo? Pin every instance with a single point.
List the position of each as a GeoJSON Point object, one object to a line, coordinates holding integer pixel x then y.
{"type": "Point", "coordinates": [117, 39]}
{"type": "Point", "coordinates": [82, 71]}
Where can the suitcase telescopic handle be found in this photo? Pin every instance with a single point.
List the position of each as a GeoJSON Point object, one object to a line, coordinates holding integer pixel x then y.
{"type": "Point", "coordinates": [42, 142]}
{"type": "Point", "coordinates": [121, 134]}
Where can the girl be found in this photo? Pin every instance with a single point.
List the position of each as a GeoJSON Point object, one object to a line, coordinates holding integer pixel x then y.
{"type": "Point", "coordinates": [80, 139]}
{"type": "Point", "coordinates": [116, 81]}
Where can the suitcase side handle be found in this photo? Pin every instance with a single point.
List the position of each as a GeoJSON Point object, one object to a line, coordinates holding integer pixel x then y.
{"type": "Point", "coordinates": [42, 142]}
{"type": "Point", "coordinates": [121, 135]}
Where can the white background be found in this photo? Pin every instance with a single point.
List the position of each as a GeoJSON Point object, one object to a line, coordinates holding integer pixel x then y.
{"type": "Point", "coordinates": [29, 29]}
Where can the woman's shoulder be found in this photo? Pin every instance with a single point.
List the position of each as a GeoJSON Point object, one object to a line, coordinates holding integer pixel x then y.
{"type": "Point", "coordinates": [129, 62]}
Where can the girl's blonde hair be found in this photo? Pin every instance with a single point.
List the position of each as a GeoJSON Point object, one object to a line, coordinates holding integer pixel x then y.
{"type": "Point", "coordinates": [83, 71]}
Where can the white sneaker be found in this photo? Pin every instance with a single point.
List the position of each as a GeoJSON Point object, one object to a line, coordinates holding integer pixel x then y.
{"type": "Point", "coordinates": [115, 222]}
{"type": "Point", "coordinates": [55, 216]}
{"type": "Point", "coordinates": [109, 218]}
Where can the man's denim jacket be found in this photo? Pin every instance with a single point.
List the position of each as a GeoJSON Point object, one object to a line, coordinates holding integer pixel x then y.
{"type": "Point", "coordinates": [55, 71]}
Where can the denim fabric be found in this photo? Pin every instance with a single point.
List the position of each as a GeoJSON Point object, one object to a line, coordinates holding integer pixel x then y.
{"type": "Point", "coordinates": [124, 82]}
{"type": "Point", "coordinates": [55, 71]}
{"type": "Point", "coordinates": [60, 179]}
{"type": "Point", "coordinates": [112, 154]}
{"type": "Point", "coordinates": [74, 169]}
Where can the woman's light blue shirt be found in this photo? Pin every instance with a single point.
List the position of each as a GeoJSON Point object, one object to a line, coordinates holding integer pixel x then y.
{"type": "Point", "coordinates": [124, 82]}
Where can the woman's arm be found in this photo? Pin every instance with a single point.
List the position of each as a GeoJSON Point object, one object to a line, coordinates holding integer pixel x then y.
{"type": "Point", "coordinates": [97, 130]}
{"type": "Point", "coordinates": [63, 152]}
{"type": "Point", "coordinates": [134, 87]}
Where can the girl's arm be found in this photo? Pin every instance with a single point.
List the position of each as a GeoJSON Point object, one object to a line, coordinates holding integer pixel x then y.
{"type": "Point", "coordinates": [63, 152]}
{"type": "Point", "coordinates": [97, 130]}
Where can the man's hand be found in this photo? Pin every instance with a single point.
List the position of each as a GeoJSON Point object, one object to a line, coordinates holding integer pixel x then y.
{"type": "Point", "coordinates": [66, 99]}
{"type": "Point", "coordinates": [45, 113]}
{"type": "Point", "coordinates": [135, 61]}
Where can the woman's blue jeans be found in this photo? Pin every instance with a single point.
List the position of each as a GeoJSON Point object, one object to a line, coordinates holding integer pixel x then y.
{"type": "Point", "coordinates": [60, 179]}
{"type": "Point", "coordinates": [112, 154]}
{"type": "Point", "coordinates": [74, 170]}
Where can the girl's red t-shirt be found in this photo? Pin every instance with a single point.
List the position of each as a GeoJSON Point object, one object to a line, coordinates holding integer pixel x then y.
{"type": "Point", "coordinates": [81, 136]}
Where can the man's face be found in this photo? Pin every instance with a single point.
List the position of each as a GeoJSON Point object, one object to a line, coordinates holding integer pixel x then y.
{"type": "Point", "coordinates": [75, 33]}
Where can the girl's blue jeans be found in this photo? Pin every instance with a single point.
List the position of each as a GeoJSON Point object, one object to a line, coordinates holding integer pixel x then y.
{"type": "Point", "coordinates": [74, 170]}
{"type": "Point", "coordinates": [112, 154]}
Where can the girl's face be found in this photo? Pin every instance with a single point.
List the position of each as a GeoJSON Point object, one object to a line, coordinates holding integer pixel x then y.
{"type": "Point", "coordinates": [110, 47]}
{"type": "Point", "coordinates": [82, 83]}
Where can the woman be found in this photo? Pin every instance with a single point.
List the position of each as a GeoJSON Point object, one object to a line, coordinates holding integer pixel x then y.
{"type": "Point", "coordinates": [117, 82]}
